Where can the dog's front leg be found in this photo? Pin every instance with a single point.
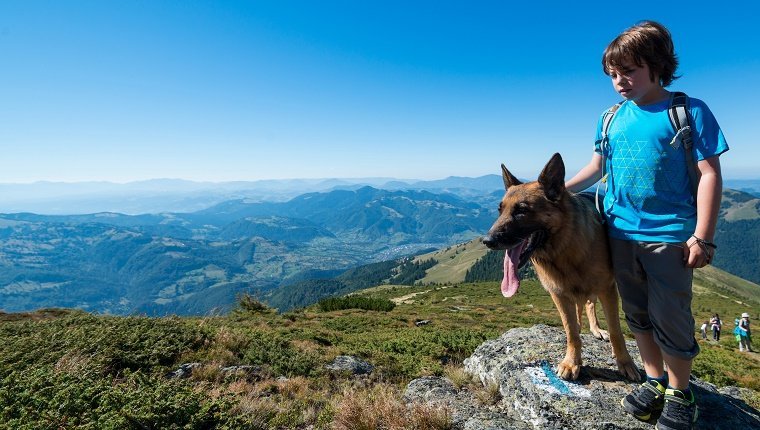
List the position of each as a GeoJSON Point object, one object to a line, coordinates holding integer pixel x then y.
{"type": "Point", "coordinates": [570, 367]}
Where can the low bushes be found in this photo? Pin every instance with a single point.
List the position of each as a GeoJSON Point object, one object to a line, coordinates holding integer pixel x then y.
{"type": "Point", "coordinates": [356, 302]}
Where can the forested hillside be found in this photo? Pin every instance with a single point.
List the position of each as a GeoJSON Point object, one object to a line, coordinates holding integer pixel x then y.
{"type": "Point", "coordinates": [404, 271]}
{"type": "Point", "coordinates": [738, 235]}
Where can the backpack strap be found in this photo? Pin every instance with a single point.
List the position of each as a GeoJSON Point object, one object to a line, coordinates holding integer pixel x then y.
{"type": "Point", "coordinates": [601, 145]}
{"type": "Point", "coordinates": [680, 120]}
{"type": "Point", "coordinates": [606, 121]}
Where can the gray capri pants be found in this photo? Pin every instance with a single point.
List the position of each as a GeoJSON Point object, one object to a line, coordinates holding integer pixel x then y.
{"type": "Point", "coordinates": [655, 287]}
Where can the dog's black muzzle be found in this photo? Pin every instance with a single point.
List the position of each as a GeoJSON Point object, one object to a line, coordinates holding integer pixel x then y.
{"type": "Point", "coordinates": [498, 242]}
{"type": "Point", "coordinates": [495, 241]}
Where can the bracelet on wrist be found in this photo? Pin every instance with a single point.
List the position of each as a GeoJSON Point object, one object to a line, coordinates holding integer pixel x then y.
{"type": "Point", "coordinates": [703, 242]}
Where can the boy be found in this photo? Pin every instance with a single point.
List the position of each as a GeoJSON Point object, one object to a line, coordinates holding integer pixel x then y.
{"type": "Point", "coordinates": [659, 232]}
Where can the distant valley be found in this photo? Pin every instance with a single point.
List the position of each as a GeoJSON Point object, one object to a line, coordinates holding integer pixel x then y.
{"type": "Point", "coordinates": [195, 263]}
{"type": "Point", "coordinates": [289, 253]}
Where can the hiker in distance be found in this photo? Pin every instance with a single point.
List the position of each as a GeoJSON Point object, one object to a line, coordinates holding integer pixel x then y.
{"type": "Point", "coordinates": [716, 323]}
{"type": "Point", "coordinates": [745, 334]}
{"type": "Point", "coordinates": [657, 152]}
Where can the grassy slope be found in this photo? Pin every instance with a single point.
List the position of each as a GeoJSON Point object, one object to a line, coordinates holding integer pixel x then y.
{"type": "Point", "coordinates": [109, 371]}
{"type": "Point", "coordinates": [453, 262]}
{"type": "Point", "coordinates": [112, 377]}
{"type": "Point", "coordinates": [740, 206]}
{"type": "Point", "coordinates": [716, 281]}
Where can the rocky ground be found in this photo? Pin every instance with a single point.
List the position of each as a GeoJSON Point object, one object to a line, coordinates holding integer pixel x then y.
{"type": "Point", "coordinates": [522, 361]}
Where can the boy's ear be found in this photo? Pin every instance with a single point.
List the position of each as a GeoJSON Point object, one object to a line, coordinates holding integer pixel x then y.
{"type": "Point", "coordinates": [552, 178]}
{"type": "Point", "coordinates": [509, 179]}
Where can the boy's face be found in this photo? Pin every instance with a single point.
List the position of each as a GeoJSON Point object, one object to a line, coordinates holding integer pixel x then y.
{"type": "Point", "coordinates": [634, 83]}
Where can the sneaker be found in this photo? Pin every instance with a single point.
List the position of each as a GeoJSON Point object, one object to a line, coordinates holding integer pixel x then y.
{"type": "Point", "coordinates": [647, 398]}
{"type": "Point", "coordinates": [680, 413]}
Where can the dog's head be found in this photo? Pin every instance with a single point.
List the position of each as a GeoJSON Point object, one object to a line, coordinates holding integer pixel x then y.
{"type": "Point", "coordinates": [528, 214]}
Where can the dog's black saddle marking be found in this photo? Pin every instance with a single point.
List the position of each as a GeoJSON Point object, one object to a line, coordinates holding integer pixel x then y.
{"type": "Point", "coordinates": [591, 198]}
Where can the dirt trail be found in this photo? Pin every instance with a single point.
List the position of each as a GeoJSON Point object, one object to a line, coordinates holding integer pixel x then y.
{"type": "Point", "coordinates": [407, 299]}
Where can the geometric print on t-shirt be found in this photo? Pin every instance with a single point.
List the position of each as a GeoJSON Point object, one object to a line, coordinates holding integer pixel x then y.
{"type": "Point", "coordinates": [643, 169]}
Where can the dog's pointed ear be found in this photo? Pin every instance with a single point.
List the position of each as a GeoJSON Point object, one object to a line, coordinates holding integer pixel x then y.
{"type": "Point", "coordinates": [552, 178]}
{"type": "Point", "coordinates": [509, 179]}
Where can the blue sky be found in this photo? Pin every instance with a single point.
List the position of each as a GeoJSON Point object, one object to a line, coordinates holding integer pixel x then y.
{"type": "Point", "coordinates": [246, 90]}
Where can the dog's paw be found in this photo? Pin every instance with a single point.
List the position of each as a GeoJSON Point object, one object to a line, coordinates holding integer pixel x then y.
{"type": "Point", "coordinates": [629, 370]}
{"type": "Point", "coordinates": [601, 335]}
{"type": "Point", "coordinates": [568, 370]}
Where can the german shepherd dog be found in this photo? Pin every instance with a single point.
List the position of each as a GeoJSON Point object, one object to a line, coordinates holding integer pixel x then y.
{"type": "Point", "coordinates": [562, 234]}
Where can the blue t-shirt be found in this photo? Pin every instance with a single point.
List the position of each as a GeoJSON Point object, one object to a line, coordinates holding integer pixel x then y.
{"type": "Point", "coordinates": [649, 196]}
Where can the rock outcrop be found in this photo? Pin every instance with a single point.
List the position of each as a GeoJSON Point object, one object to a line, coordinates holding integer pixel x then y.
{"type": "Point", "coordinates": [349, 364]}
{"type": "Point", "coordinates": [184, 371]}
{"type": "Point", "coordinates": [521, 363]}
{"type": "Point", "coordinates": [251, 373]}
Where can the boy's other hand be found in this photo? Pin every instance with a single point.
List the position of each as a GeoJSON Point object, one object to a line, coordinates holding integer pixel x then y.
{"type": "Point", "coordinates": [695, 255]}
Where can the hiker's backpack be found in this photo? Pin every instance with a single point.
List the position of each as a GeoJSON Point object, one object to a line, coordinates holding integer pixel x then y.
{"type": "Point", "coordinates": [680, 120]}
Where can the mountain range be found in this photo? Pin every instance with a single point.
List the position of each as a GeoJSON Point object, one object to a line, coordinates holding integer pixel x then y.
{"type": "Point", "coordinates": [198, 262]}
{"type": "Point", "coordinates": [176, 195]}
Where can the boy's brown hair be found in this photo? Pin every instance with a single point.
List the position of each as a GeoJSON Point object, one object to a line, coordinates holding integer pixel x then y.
{"type": "Point", "coordinates": [647, 42]}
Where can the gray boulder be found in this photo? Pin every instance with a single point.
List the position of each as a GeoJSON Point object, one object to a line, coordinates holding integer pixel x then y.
{"type": "Point", "coordinates": [521, 363]}
{"type": "Point", "coordinates": [185, 371]}
{"type": "Point", "coordinates": [349, 364]}
{"type": "Point", "coordinates": [248, 372]}
{"type": "Point", "coordinates": [466, 413]}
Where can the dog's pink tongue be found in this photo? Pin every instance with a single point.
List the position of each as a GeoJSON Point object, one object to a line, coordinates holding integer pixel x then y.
{"type": "Point", "coordinates": [511, 281]}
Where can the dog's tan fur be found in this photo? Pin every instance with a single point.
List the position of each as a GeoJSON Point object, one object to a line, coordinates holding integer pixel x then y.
{"type": "Point", "coordinates": [572, 263]}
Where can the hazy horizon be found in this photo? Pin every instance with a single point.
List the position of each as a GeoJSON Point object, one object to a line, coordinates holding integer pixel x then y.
{"type": "Point", "coordinates": [753, 177]}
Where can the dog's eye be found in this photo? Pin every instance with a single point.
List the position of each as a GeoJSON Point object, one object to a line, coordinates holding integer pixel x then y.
{"type": "Point", "coordinates": [520, 210]}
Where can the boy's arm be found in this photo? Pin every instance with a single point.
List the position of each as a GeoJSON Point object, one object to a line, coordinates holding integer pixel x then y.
{"type": "Point", "coordinates": [587, 176]}
{"type": "Point", "coordinates": [709, 193]}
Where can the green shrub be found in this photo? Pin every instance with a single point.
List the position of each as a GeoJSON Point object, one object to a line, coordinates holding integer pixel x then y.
{"type": "Point", "coordinates": [43, 398]}
{"type": "Point", "coordinates": [356, 302]}
{"type": "Point", "coordinates": [722, 367]}
{"type": "Point", "coordinates": [110, 344]}
{"type": "Point", "coordinates": [248, 303]}
{"type": "Point", "coordinates": [271, 349]}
